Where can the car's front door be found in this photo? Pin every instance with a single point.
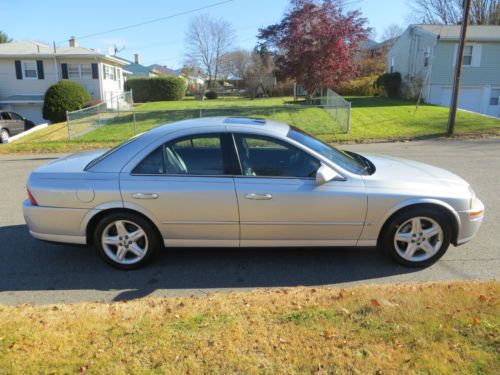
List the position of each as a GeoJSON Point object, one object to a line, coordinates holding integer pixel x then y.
{"type": "Point", "coordinates": [281, 204]}
{"type": "Point", "coordinates": [186, 186]}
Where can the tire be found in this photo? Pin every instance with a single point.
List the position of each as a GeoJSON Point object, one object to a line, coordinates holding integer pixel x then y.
{"type": "Point", "coordinates": [115, 241]}
{"type": "Point", "coordinates": [414, 246]}
{"type": "Point", "coordinates": [4, 136]}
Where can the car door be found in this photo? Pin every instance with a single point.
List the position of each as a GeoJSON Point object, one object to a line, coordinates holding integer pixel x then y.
{"type": "Point", "coordinates": [281, 204]}
{"type": "Point", "coordinates": [16, 123]}
{"type": "Point", "coordinates": [186, 186]}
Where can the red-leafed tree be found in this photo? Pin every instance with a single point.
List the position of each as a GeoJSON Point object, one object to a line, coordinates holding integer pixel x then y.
{"type": "Point", "coordinates": [315, 43]}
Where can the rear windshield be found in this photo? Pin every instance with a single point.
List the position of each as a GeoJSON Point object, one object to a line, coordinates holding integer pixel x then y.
{"type": "Point", "coordinates": [110, 151]}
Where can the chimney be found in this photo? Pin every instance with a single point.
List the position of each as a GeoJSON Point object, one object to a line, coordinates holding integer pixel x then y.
{"type": "Point", "coordinates": [72, 42]}
{"type": "Point", "coordinates": [136, 58]}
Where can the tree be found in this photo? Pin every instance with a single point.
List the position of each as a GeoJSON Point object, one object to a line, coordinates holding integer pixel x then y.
{"type": "Point", "coordinates": [483, 12]}
{"type": "Point", "coordinates": [259, 74]}
{"type": "Point", "coordinates": [315, 43]}
{"type": "Point", "coordinates": [392, 31]}
{"type": "Point", "coordinates": [4, 38]}
{"type": "Point", "coordinates": [208, 40]}
{"type": "Point", "coordinates": [235, 63]}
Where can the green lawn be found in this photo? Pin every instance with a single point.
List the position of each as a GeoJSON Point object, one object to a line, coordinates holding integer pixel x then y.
{"type": "Point", "coordinates": [372, 119]}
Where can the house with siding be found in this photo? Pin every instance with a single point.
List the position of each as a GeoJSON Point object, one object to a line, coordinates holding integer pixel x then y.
{"type": "Point", "coordinates": [28, 69]}
{"type": "Point", "coordinates": [425, 55]}
{"type": "Point", "coordinates": [136, 69]}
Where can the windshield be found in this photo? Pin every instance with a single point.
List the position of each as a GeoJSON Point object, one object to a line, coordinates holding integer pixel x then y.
{"type": "Point", "coordinates": [348, 161]}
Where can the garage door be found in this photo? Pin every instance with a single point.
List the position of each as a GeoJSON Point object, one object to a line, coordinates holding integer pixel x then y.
{"type": "Point", "coordinates": [469, 99]}
{"type": "Point", "coordinates": [32, 112]}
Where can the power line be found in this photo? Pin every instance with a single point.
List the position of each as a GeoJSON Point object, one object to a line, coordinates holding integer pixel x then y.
{"type": "Point", "coordinates": [154, 20]}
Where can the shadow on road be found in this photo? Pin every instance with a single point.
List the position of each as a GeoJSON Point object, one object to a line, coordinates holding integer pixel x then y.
{"type": "Point", "coordinates": [31, 265]}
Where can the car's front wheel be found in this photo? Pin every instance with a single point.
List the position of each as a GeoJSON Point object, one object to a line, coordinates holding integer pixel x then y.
{"type": "Point", "coordinates": [417, 237]}
{"type": "Point", "coordinates": [126, 240]}
{"type": "Point", "coordinates": [4, 136]}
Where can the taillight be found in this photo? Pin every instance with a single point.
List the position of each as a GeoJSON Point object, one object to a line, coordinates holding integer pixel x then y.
{"type": "Point", "coordinates": [31, 198]}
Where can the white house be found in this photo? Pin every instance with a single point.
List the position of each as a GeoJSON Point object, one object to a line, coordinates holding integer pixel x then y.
{"type": "Point", "coordinates": [28, 69]}
{"type": "Point", "coordinates": [425, 55]}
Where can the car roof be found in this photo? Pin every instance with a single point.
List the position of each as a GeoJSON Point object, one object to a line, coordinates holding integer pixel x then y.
{"type": "Point", "coordinates": [227, 123]}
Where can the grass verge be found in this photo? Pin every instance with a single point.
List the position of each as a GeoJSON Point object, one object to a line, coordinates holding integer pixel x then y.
{"type": "Point", "coordinates": [386, 329]}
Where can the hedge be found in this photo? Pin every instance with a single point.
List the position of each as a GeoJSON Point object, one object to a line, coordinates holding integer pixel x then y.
{"type": "Point", "coordinates": [156, 89]}
{"type": "Point", "coordinates": [363, 86]}
{"type": "Point", "coordinates": [64, 96]}
{"type": "Point", "coordinates": [211, 95]}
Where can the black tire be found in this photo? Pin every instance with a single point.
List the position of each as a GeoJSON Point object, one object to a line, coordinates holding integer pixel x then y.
{"type": "Point", "coordinates": [387, 238]}
{"type": "Point", "coordinates": [151, 239]}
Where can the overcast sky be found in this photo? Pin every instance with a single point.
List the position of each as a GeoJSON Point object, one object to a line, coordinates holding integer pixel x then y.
{"type": "Point", "coordinates": [158, 42]}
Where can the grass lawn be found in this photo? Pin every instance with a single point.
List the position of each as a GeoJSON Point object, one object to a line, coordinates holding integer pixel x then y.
{"type": "Point", "coordinates": [372, 119]}
{"type": "Point", "coordinates": [439, 328]}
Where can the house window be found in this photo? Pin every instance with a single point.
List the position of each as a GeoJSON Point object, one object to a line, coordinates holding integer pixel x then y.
{"type": "Point", "coordinates": [392, 64]}
{"type": "Point", "coordinates": [29, 70]}
{"type": "Point", "coordinates": [73, 71]}
{"type": "Point", "coordinates": [427, 55]}
{"type": "Point", "coordinates": [495, 97]}
{"type": "Point", "coordinates": [468, 55]}
{"type": "Point", "coordinates": [109, 72]}
{"type": "Point", "coordinates": [86, 70]}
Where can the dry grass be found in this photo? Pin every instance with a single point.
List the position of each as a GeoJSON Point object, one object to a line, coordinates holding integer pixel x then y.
{"type": "Point", "coordinates": [421, 328]}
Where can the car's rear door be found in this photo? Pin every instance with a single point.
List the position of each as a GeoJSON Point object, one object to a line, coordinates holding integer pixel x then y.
{"type": "Point", "coordinates": [280, 203]}
{"type": "Point", "coordinates": [185, 184]}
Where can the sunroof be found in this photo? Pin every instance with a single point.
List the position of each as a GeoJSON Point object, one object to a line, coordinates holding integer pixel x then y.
{"type": "Point", "coordinates": [244, 121]}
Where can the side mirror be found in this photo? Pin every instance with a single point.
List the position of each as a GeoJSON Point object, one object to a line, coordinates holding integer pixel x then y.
{"type": "Point", "coordinates": [325, 174]}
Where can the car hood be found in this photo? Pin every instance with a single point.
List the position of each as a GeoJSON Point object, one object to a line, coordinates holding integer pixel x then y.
{"type": "Point", "coordinates": [74, 163]}
{"type": "Point", "coordinates": [399, 172]}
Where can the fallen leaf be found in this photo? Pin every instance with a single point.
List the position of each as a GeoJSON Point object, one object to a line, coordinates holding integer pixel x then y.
{"type": "Point", "coordinates": [84, 368]}
{"type": "Point", "coordinates": [374, 302]}
{"type": "Point", "coordinates": [476, 320]}
{"type": "Point", "coordinates": [482, 298]}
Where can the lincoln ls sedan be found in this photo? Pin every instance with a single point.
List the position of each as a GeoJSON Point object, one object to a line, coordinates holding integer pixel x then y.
{"type": "Point", "coordinates": [243, 182]}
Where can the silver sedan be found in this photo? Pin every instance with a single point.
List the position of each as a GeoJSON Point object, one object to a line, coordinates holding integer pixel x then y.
{"type": "Point", "coordinates": [243, 182]}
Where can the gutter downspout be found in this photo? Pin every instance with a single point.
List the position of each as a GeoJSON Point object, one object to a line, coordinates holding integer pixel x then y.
{"type": "Point", "coordinates": [55, 63]}
{"type": "Point", "coordinates": [99, 74]}
{"type": "Point", "coordinates": [430, 69]}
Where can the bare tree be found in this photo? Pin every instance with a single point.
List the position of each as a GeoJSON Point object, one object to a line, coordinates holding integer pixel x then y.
{"type": "Point", "coordinates": [235, 63]}
{"type": "Point", "coordinates": [392, 31]}
{"type": "Point", "coordinates": [208, 40]}
{"type": "Point", "coordinates": [483, 12]}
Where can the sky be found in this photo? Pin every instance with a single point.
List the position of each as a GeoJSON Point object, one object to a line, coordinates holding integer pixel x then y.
{"type": "Point", "coordinates": [162, 41]}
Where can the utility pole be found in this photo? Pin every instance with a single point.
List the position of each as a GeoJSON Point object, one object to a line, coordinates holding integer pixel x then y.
{"type": "Point", "coordinates": [458, 68]}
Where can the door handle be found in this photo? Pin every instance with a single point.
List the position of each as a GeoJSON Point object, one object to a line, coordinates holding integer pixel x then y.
{"type": "Point", "coordinates": [258, 197]}
{"type": "Point", "coordinates": [144, 195]}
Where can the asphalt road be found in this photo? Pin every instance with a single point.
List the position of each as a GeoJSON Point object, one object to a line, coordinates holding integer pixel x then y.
{"type": "Point", "coordinates": [38, 272]}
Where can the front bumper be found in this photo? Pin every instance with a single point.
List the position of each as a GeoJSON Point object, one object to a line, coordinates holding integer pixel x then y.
{"type": "Point", "coordinates": [470, 221]}
{"type": "Point", "coordinates": [55, 224]}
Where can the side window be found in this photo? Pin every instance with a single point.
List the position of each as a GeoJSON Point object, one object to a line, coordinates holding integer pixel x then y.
{"type": "Point", "coordinates": [15, 116]}
{"type": "Point", "coordinates": [264, 156]}
{"type": "Point", "coordinates": [196, 155]}
{"type": "Point", "coordinates": [152, 164]}
{"type": "Point", "coordinates": [5, 116]}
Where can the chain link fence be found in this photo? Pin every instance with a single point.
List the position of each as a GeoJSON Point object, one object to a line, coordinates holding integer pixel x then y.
{"type": "Point", "coordinates": [119, 120]}
{"type": "Point", "coordinates": [91, 118]}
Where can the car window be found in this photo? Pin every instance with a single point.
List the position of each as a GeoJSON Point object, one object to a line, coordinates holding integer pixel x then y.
{"type": "Point", "coordinates": [265, 156]}
{"type": "Point", "coordinates": [5, 116]}
{"type": "Point", "coordinates": [15, 116]}
{"type": "Point", "coordinates": [196, 155]}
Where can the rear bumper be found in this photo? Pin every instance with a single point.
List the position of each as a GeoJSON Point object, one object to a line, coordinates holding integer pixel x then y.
{"type": "Point", "coordinates": [55, 224]}
{"type": "Point", "coordinates": [470, 223]}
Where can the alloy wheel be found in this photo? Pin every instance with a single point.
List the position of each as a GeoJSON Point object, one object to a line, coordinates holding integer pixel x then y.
{"type": "Point", "coordinates": [4, 136]}
{"type": "Point", "coordinates": [124, 242]}
{"type": "Point", "coordinates": [418, 239]}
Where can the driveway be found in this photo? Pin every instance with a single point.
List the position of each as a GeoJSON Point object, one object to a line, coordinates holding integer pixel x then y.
{"type": "Point", "coordinates": [38, 272]}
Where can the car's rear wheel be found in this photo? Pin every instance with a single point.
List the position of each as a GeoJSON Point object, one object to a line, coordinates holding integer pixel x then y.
{"type": "Point", "coordinates": [417, 237]}
{"type": "Point", "coordinates": [4, 136]}
{"type": "Point", "coordinates": [126, 240]}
